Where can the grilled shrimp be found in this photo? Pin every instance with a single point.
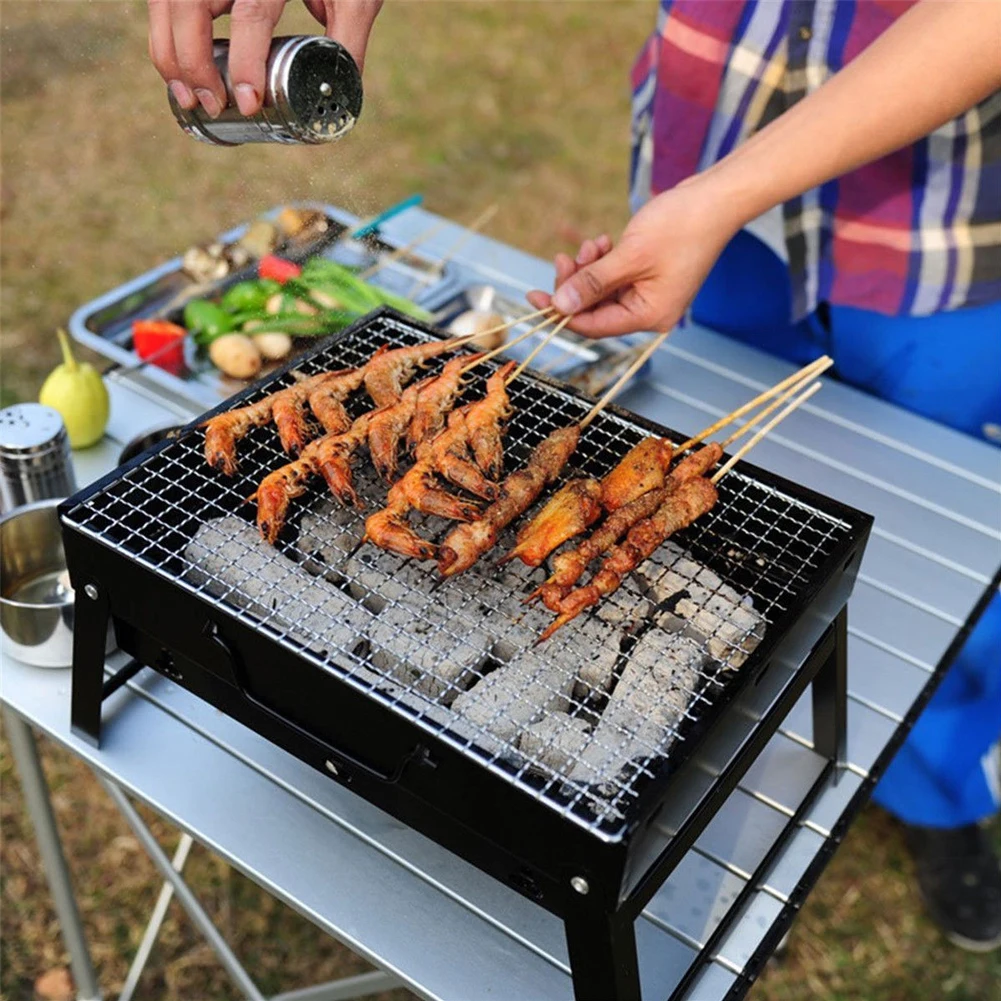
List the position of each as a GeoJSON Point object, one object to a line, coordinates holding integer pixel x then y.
{"type": "Point", "coordinates": [387, 428]}
{"type": "Point", "coordinates": [389, 530]}
{"type": "Point", "coordinates": [334, 454]}
{"type": "Point", "coordinates": [485, 420]}
{"type": "Point", "coordinates": [449, 453]}
{"type": "Point", "coordinates": [386, 373]}
{"type": "Point", "coordinates": [277, 491]}
{"type": "Point", "coordinates": [436, 399]}
{"type": "Point", "coordinates": [327, 400]}
{"type": "Point", "coordinates": [223, 431]}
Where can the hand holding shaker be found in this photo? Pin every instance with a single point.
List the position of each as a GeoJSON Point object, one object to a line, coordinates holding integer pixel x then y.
{"type": "Point", "coordinates": [313, 94]}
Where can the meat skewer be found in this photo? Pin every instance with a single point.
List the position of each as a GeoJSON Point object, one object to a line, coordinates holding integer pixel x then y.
{"type": "Point", "coordinates": [679, 509]}
{"type": "Point", "coordinates": [644, 468]}
{"type": "Point", "coordinates": [466, 543]}
{"type": "Point", "coordinates": [570, 566]}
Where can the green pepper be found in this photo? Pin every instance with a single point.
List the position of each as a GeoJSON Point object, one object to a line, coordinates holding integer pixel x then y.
{"type": "Point", "coordinates": [206, 320]}
{"type": "Point", "coordinates": [247, 296]}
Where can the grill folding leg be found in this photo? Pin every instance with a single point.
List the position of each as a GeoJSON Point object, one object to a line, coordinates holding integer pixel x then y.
{"type": "Point", "coordinates": [603, 959]}
{"type": "Point", "coordinates": [830, 699]}
{"type": "Point", "coordinates": [602, 945]}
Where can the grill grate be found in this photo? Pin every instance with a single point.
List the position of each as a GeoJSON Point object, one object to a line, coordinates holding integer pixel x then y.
{"type": "Point", "coordinates": [564, 732]}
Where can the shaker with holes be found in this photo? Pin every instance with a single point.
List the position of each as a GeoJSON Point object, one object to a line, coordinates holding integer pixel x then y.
{"type": "Point", "coordinates": [313, 94]}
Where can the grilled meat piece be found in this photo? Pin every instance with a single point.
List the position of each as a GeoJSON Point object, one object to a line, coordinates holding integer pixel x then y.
{"type": "Point", "coordinates": [574, 507]}
{"type": "Point", "coordinates": [692, 499]}
{"type": "Point", "coordinates": [466, 543]}
{"type": "Point", "coordinates": [643, 468]}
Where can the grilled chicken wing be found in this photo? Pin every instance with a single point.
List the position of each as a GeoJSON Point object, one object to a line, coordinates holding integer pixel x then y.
{"type": "Point", "coordinates": [466, 543]}
{"type": "Point", "coordinates": [644, 467]}
{"type": "Point", "coordinates": [682, 506]}
{"type": "Point", "coordinates": [574, 507]}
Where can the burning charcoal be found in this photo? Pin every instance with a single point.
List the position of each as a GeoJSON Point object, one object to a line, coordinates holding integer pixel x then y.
{"type": "Point", "coordinates": [731, 632]}
{"type": "Point", "coordinates": [331, 532]}
{"type": "Point", "coordinates": [230, 561]}
{"type": "Point", "coordinates": [642, 712]}
{"type": "Point", "coordinates": [598, 648]}
{"type": "Point", "coordinates": [556, 741]}
{"type": "Point", "coordinates": [430, 650]}
{"type": "Point", "coordinates": [516, 694]}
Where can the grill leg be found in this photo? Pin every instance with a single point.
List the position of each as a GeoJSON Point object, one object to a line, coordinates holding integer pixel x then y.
{"type": "Point", "coordinates": [830, 698]}
{"type": "Point", "coordinates": [603, 960]}
{"type": "Point", "coordinates": [90, 635]}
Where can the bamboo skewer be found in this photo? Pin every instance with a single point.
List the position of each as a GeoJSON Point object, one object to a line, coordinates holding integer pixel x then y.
{"type": "Point", "coordinates": [470, 231]}
{"type": "Point", "coordinates": [771, 408]}
{"type": "Point", "coordinates": [395, 255]}
{"type": "Point", "coordinates": [549, 315]}
{"type": "Point", "coordinates": [624, 378]}
{"type": "Point", "coordinates": [538, 347]}
{"type": "Point", "coordinates": [813, 369]}
{"type": "Point", "coordinates": [777, 419]}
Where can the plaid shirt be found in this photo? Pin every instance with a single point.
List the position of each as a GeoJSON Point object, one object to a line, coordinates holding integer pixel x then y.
{"type": "Point", "coordinates": [914, 233]}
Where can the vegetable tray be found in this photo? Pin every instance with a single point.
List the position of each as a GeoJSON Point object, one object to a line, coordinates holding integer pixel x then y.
{"type": "Point", "coordinates": [105, 323]}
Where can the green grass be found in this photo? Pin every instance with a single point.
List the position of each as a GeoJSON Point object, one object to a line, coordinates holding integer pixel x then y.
{"type": "Point", "coordinates": [469, 103]}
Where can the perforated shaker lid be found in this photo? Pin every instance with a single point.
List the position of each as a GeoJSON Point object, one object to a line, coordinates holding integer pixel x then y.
{"type": "Point", "coordinates": [27, 429]}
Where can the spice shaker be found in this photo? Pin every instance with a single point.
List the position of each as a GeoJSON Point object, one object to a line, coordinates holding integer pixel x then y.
{"type": "Point", "coordinates": [35, 461]}
{"type": "Point", "coordinates": [312, 94]}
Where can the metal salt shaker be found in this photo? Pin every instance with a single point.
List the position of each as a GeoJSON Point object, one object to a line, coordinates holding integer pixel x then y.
{"type": "Point", "coordinates": [313, 94]}
{"type": "Point", "coordinates": [35, 461]}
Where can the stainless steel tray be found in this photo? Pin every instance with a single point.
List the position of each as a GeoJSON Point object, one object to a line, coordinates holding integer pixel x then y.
{"type": "Point", "coordinates": [586, 364]}
{"type": "Point", "coordinates": [105, 324]}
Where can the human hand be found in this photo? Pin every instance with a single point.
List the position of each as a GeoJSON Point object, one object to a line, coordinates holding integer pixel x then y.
{"type": "Point", "coordinates": [180, 44]}
{"type": "Point", "coordinates": [647, 281]}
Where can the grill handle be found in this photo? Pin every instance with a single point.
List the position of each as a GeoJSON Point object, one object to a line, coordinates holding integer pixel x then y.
{"type": "Point", "coordinates": [211, 631]}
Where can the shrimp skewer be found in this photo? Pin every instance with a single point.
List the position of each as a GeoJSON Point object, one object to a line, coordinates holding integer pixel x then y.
{"type": "Point", "coordinates": [436, 400]}
{"type": "Point", "coordinates": [223, 431]}
{"type": "Point", "coordinates": [466, 543]}
{"type": "Point", "coordinates": [485, 422]}
{"type": "Point", "coordinates": [386, 374]}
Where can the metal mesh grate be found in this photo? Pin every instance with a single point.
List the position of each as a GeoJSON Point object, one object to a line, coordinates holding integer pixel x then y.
{"type": "Point", "coordinates": [578, 722]}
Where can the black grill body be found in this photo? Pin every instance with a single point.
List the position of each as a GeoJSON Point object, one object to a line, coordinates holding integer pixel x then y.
{"type": "Point", "coordinates": [594, 861]}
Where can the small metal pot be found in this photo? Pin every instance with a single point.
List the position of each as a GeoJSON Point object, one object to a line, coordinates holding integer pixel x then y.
{"type": "Point", "coordinates": [36, 599]}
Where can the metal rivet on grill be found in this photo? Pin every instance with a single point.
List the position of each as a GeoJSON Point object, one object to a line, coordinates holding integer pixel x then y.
{"type": "Point", "coordinates": [91, 592]}
{"type": "Point", "coordinates": [579, 883]}
{"type": "Point", "coordinates": [325, 89]}
{"type": "Point", "coordinates": [331, 767]}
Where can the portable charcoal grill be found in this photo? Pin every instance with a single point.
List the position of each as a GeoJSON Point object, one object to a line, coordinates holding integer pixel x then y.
{"type": "Point", "coordinates": [339, 654]}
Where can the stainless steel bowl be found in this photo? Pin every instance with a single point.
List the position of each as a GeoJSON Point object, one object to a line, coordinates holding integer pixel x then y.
{"type": "Point", "coordinates": [147, 439]}
{"type": "Point", "coordinates": [36, 599]}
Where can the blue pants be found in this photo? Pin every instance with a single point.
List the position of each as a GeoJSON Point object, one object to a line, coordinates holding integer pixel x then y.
{"type": "Point", "coordinates": [946, 367]}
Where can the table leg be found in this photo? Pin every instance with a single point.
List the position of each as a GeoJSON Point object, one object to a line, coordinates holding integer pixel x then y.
{"type": "Point", "coordinates": [36, 797]}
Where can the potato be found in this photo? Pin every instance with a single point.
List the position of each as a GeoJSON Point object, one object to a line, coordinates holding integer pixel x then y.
{"type": "Point", "coordinates": [475, 320]}
{"type": "Point", "coordinates": [235, 355]}
{"type": "Point", "coordinates": [273, 346]}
